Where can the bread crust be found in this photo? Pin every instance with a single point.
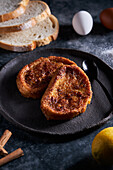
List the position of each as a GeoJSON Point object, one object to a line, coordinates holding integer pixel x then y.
{"type": "Point", "coordinates": [60, 101]}
{"type": "Point", "coordinates": [28, 24]}
{"type": "Point", "coordinates": [17, 12]}
{"type": "Point", "coordinates": [48, 66]}
{"type": "Point", "coordinates": [32, 45]}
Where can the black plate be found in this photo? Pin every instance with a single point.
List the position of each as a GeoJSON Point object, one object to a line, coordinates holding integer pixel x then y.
{"type": "Point", "coordinates": [26, 113]}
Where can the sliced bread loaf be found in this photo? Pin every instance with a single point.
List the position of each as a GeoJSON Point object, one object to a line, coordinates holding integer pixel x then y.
{"type": "Point", "coordinates": [39, 35]}
{"type": "Point", "coordinates": [10, 9]}
{"type": "Point", "coordinates": [35, 12]}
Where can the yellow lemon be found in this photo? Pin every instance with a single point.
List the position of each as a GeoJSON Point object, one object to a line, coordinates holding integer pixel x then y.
{"type": "Point", "coordinates": [102, 146]}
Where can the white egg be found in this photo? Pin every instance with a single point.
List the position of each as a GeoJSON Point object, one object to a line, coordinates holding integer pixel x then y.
{"type": "Point", "coordinates": [82, 22]}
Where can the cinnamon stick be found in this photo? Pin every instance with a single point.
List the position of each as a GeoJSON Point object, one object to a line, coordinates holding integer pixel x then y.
{"type": "Point", "coordinates": [5, 137]}
{"type": "Point", "coordinates": [3, 140]}
{"type": "Point", "coordinates": [3, 152]}
{"type": "Point", "coordinates": [13, 155]}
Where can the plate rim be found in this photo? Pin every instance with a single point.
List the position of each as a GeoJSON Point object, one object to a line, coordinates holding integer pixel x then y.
{"type": "Point", "coordinates": [30, 129]}
{"type": "Point", "coordinates": [69, 49]}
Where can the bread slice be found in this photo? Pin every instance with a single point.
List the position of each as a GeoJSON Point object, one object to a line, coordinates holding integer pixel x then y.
{"type": "Point", "coordinates": [10, 9]}
{"type": "Point", "coordinates": [33, 79]}
{"type": "Point", "coordinates": [35, 12]}
{"type": "Point", "coordinates": [67, 95]}
{"type": "Point", "coordinates": [41, 34]}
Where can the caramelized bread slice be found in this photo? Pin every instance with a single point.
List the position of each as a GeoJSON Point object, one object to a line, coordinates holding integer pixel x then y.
{"type": "Point", "coordinates": [67, 95]}
{"type": "Point", "coordinates": [34, 78]}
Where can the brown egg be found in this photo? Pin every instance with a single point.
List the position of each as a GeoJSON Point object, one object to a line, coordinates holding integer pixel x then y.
{"type": "Point", "coordinates": [106, 18]}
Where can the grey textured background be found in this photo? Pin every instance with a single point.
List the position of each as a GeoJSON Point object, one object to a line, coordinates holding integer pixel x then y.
{"type": "Point", "coordinates": [53, 153]}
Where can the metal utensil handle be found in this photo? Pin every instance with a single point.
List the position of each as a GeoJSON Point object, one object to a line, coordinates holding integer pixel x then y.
{"type": "Point", "coordinates": [110, 98]}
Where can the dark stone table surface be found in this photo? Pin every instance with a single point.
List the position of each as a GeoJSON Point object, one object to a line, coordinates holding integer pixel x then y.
{"type": "Point", "coordinates": [51, 153]}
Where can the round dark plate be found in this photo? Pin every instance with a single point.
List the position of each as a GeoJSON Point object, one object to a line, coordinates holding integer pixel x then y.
{"type": "Point", "coordinates": [26, 113]}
